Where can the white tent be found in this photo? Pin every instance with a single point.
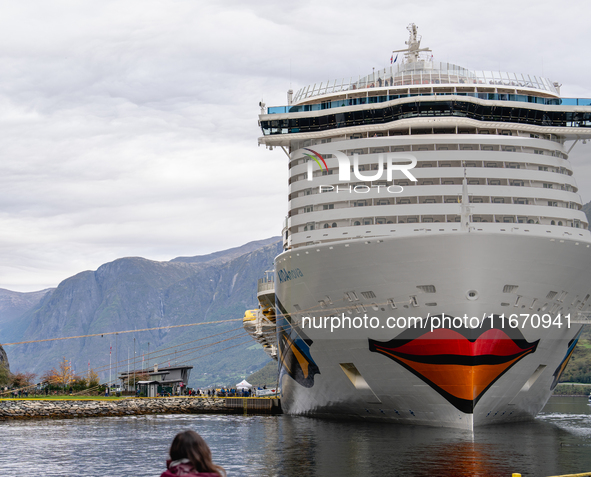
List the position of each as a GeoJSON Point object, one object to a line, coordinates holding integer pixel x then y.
{"type": "Point", "coordinates": [244, 384]}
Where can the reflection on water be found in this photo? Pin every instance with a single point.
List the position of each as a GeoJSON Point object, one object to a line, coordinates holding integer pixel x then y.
{"type": "Point", "coordinates": [559, 441]}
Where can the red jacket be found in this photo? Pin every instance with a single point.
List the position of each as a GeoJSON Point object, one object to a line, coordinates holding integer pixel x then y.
{"type": "Point", "coordinates": [184, 469]}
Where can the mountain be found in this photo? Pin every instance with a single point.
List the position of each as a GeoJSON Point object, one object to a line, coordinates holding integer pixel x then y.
{"type": "Point", "coordinates": [134, 294]}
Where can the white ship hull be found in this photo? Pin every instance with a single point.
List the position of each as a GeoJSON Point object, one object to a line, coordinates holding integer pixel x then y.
{"type": "Point", "coordinates": [476, 274]}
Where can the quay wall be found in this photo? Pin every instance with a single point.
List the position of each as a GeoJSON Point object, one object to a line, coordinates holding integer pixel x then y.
{"type": "Point", "coordinates": [72, 408]}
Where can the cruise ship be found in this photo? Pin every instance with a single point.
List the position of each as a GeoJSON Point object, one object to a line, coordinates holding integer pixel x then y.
{"type": "Point", "coordinates": [436, 261]}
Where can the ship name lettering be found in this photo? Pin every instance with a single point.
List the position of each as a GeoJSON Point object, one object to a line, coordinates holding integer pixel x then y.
{"type": "Point", "coordinates": [285, 275]}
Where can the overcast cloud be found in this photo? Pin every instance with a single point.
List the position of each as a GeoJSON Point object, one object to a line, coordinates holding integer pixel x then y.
{"type": "Point", "coordinates": [129, 128]}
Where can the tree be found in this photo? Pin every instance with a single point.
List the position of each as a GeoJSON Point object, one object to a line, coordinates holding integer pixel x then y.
{"type": "Point", "coordinates": [93, 379]}
{"type": "Point", "coordinates": [5, 375]}
{"type": "Point", "coordinates": [63, 376]}
{"type": "Point", "coordinates": [23, 380]}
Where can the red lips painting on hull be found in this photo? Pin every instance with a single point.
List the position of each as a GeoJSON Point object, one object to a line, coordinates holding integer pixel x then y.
{"type": "Point", "coordinates": [461, 364]}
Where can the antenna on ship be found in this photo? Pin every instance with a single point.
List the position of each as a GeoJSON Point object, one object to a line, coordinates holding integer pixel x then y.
{"type": "Point", "coordinates": [414, 45]}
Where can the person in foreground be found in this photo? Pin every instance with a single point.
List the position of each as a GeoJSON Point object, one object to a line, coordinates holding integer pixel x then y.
{"type": "Point", "coordinates": [190, 456]}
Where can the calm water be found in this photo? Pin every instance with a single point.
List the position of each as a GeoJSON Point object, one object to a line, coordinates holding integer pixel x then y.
{"type": "Point", "coordinates": [557, 442]}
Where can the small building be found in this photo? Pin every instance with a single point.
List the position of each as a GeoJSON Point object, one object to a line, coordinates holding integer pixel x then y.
{"type": "Point", "coordinates": [171, 380]}
{"type": "Point", "coordinates": [148, 388]}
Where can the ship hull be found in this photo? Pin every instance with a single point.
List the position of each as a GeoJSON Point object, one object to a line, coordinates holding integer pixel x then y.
{"type": "Point", "coordinates": [485, 372]}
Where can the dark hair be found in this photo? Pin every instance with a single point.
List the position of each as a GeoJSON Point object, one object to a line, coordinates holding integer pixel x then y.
{"type": "Point", "coordinates": [190, 445]}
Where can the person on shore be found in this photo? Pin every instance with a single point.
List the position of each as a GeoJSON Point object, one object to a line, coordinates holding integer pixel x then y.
{"type": "Point", "coordinates": [190, 456]}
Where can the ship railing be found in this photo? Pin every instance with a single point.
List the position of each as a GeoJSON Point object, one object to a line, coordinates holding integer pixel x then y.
{"type": "Point", "coordinates": [426, 73]}
{"type": "Point", "coordinates": [265, 285]}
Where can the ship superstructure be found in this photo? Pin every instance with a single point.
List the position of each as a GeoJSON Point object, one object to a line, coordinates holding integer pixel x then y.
{"type": "Point", "coordinates": [429, 190]}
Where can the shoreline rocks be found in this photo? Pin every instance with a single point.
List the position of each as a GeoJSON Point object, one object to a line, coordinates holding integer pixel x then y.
{"type": "Point", "coordinates": [66, 409]}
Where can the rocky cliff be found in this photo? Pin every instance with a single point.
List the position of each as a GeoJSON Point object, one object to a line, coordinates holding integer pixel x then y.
{"type": "Point", "coordinates": [135, 293]}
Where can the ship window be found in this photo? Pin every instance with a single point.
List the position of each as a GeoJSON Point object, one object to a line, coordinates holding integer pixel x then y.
{"type": "Point", "coordinates": [521, 201]}
{"type": "Point", "coordinates": [491, 164]}
{"type": "Point", "coordinates": [429, 201]}
{"type": "Point", "coordinates": [368, 294]}
{"type": "Point", "coordinates": [450, 200]}
{"type": "Point", "coordinates": [427, 183]}
{"type": "Point", "coordinates": [487, 148]}
{"type": "Point", "coordinates": [473, 182]}
{"type": "Point", "coordinates": [357, 222]}
{"type": "Point", "coordinates": [457, 219]}
{"type": "Point", "coordinates": [552, 203]}
{"type": "Point", "coordinates": [517, 183]}
{"type": "Point", "coordinates": [513, 166]}
{"type": "Point", "coordinates": [380, 221]}
{"type": "Point", "coordinates": [427, 288]}
{"type": "Point", "coordinates": [328, 206]}
{"type": "Point", "coordinates": [428, 219]}
{"type": "Point", "coordinates": [445, 164]}
{"type": "Point", "coordinates": [547, 186]}
{"type": "Point", "coordinates": [404, 201]}
{"type": "Point", "coordinates": [367, 222]}
{"type": "Point", "coordinates": [470, 164]}
{"type": "Point", "coordinates": [334, 224]}
{"type": "Point", "coordinates": [560, 222]}
{"type": "Point", "coordinates": [494, 182]}
{"type": "Point", "coordinates": [412, 220]}
{"type": "Point", "coordinates": [476, 200]}
{"type": "Point", "coordinates": [498, 200]}
{"type": "Point", "coordinates": [553, 223]}
{"type": "Point", "coordinates": [448, 182]}
{"type": "Point", "coordinates": [326, 226]}
{"type": "Point", "coordinates": [508, 220]}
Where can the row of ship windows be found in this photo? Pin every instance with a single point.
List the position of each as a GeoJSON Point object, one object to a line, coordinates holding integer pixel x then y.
{"type": "Point", "coordinates": [436, 200]}
{"type": "Point", "coordinates": [435, 164]}
{"type": "Point", "coordinates": [365, 98]}
{"type": "Point", "coordinates": [357, 305]}
{"type": "Point", "coordinates": [427, 165]}
{"type": "Point", "coordinates": [417, 109]}
{"type": "Point", "coordinates": [409, 131]}
{"type": "Point", "coordinates": [448, 163]}
{"type": "Point", "coordinates": [507, 219]}
{"type": "Point", "coordinates": [362, 188]}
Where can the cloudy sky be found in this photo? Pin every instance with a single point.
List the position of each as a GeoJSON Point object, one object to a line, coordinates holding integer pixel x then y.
{"type": "Point", "coordinates": [129, 128]}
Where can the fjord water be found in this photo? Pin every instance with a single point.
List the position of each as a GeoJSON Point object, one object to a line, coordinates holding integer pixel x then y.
{"type": "Point", "coordinates": [557, 442]}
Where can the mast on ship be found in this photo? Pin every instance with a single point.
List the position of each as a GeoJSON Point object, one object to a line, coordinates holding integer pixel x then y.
{"type": "Point", "coordinates": [414, 45]}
